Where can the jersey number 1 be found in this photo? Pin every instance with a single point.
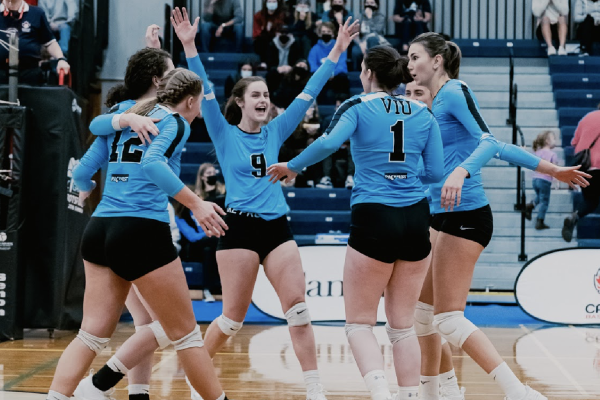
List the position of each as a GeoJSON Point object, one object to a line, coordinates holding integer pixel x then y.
{"type": "Point", "coordinates": [128, 156]}
{"type": "Point", "coordinates": [259, 164]}
{"type": "Point", "coordinates": [398, 154]}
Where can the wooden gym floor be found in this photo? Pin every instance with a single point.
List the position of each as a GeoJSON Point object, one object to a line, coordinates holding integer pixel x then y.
{"type": "Point", "coordinates": [259, 364]}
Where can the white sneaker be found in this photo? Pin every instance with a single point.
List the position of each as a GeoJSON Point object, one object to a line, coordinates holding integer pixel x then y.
{"type": "Point", "coordinates": [87, 391]}
{"type": "Point", "coordinates": [562, 51]}
{"type": "Point", "coordinates": [551, 51]}
{"type": "Point", "coordinates": [316, 393]}
{"type": "Point", "coordinates": [530, 394]}
{"type": "Point", "coordinates": [451, 393]}
{"type": "Point", "coordinates": [195, 395]}
{"type": "Point", "coordinates": [208, 297]}
{"type": "Point", "coordinates": [349, 182]}
{"type": "Point", "coordinates": [325, 183]}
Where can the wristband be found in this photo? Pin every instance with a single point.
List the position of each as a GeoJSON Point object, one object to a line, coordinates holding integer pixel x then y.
{"type": "Point", "coordinates": [116, 122]}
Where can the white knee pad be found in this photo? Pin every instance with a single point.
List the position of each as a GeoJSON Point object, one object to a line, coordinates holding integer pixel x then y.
{"type": "Point", "coordinates": [192, 339]}
{"type": "Point", "coordinates": [454, 327]}
{"type": "Point", "coordinates": [298, 315]}
{"type": "Point", "coordinates": [397, 335]}
{"type": "Point", "coordinates": [159, 333]}
{"type": "Point", "coordinates": [351, 329]}
{"type": "Point", "coordinates": [228, 326]}
{"type": "Point", "coordinates": [94, 343]}
{"type": "Point", "coordinates": [424, 319]}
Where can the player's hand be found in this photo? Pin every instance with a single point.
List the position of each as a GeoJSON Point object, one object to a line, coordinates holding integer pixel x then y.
{"type": "Point", "coordinates": [152, 37]}
{"type": "Point", "coordinates": [207, 215]}
{"type": "Point", "coordinates": [142, 126]}
{"type": "Point", "coordinates": [348, 31]}
{"type": "Point", "coordinates": [280, 172]}
{"type": "Point", "coordinates": [451, 191]}
{"type": "Point", "coordinates": [186, 32]}
{"type": "Point", "coordinates": [572, 176]}
{"type": "Point", "coordinates": [85, 195]}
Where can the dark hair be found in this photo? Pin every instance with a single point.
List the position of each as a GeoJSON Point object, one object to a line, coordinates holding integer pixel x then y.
{"type": "Point", "coordinates": [247, 61]}
{"type": "Point", "coordinates": [281, 8]}
{"type": "Point", "coordinates": [330, 26]}
{"type": "Point", "coordinates": [376, 2]}
{"type": "Point", "coordinates": [141, 68]}
{"type": "Point", "coordinates": [435, 44]}
{"type": "Point", "coordinates": [233, 112]}
{"type": "Point", "coordinates": [172, 90]}
{"type": "Point", "coordinates": [390, 68]}
{"type": "Point", "coordinates": [541, 139]}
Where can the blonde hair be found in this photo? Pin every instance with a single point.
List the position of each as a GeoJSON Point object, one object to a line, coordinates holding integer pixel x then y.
{"type": "Point", "coordinates": [200, 188]}
{"type": "Point", "coordinates": [307, 20]}
{"type": "Point", "coordinates": [541, 140]}
{"type": "Point", "coordinates": [173, 88]}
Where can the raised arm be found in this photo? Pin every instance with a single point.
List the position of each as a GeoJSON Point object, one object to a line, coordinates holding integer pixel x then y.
{"type": "Point", "coordinates": [433, 156]}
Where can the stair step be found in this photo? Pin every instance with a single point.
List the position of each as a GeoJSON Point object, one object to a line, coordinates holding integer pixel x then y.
{"type": "Point", "coordinates": [537, 246]}
{"type": "Point", "coordinates": [473, 65]}
{"type": "Point", "coordinates": [532, 118]}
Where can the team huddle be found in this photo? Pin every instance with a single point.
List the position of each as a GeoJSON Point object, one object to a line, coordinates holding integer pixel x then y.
{"type": "Point", "coordinates": [420, 219]}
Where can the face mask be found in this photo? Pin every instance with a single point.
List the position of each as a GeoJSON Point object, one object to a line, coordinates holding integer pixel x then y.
{"type": "Point", "coordinates": [337, 7]}
{"type": "Point", "coordinates": [284, 39]}
{"type": "Point", "coordinates": [271, 6]}
{"type": "Point", "coordinates": [302, 9]}
{"type": "Point", "coordinates": [211, 180]}
{"type": "Point", "coordinates": [301, 72]}
{"type": "Point", "coordinates": [326, 38]}
{"type": "Point", "coordinates": [372, 7]}
{"type": "Point", "coordinates": [245, 74]}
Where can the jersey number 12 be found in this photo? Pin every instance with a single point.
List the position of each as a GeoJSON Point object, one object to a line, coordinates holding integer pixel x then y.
{"type": "Point", "coordinates": [398, 155]}
{"type": "Point", "coordinates": [128, 156]}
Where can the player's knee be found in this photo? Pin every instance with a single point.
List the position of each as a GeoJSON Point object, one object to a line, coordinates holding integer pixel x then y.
{"type": "Point", "coordinates": [192, 339]}
{"type": "Point", "coordinates": [228, 327]}
{"type": "Point", "coordinates": [298, 315]}
{"type": "Point", "coordinates": [454, 327]}
{"type": "Point", "coordinates": [424, 319]}
{"type": "Point", "coordinates": [159, 334]}
{"type": "Point", "coordinates": [397, 335]}
{"type": "Point", "coordinates": [94, 343]}
{"type": "Point", "coordinates": [352, 329]}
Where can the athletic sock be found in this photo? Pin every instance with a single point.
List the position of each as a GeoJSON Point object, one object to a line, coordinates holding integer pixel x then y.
{"type": "Point", "coordinates": [109, 375]}
{"type": "Point", "coordinates": [222, 397]}
{"type": "Point", "coordinates": [378, 385]}
{"type": "Point", "coordinates": [408, 392]}
{"type": "Point", "coordinates": [52, 395]}
{"type": "Point", "coordinates": [448, 380]}
{"type": "Point", "coordinates": [510, 384]}
{"type": "Point", "coordinates": [311, 379]}
{"type": "Point", "coordinates": [139, 392]}
{"type": "Point", "coordinates": [430, 386]}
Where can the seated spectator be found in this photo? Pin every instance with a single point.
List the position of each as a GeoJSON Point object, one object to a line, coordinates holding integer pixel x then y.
{"type": "Point", "coordinates": [245, 70]}
{"type": "Point", "coordinates": [303, 26]}
{"type": "Point", "coordinates": [34, 32]}
{"type": "Point", "coordinates": [266, 22]}
{"type": "Point", "coordinates": [552, 13]}
{"type": "Point", "coordinates": [61, 15]}
{"type": "Point", "coordinates": [222, 18]}
{"type": "Point", "coordinates": [587, 13]}
{"type": "Point", "coordinates": [337, 15]}
{"type": "Point", "coordinates": [411, 18]}
{"type": "Point", "coordinates": [284, 50]}
{"type": "Point", "coordinates": [285, 87]}
{"type": "Point", "coordinates": [195, 245]}
{"type": "Point", "coordinates": [372, 25]}
{"type": "Point", "coordinates": [339, 84]}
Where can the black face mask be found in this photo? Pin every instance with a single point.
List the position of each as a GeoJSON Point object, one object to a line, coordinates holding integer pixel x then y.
{"type": "Point", "coordinates": [326, 38]}
{"type": "Point", "coordinates": [284, 38]}
{"type": "Point", "coordinates": [374, 8]}
{"type": "Point", "coordinates": [211, 180]}
{"type": "Point", "coordinates": [337, 7]}
{"type": "Point", "coordinates": [301, 72]}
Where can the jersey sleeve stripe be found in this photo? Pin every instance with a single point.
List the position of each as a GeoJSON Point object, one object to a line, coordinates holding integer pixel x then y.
{"type": "Point", "coordinates": [338, 114]}
{"type": "Point", "coordinates": [178, 136]}
{"type": "Point", "coordinates": [473, 109]}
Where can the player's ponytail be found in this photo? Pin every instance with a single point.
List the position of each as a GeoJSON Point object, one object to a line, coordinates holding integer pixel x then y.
{"type": "Point", "coordinates": [452, 57]}
{"type": "Point", "coordinates": [389, 67]}
{"type": "Point", "coordinates": [233, 112]}
{"type": "Point", "coordinates": [116, 95]}
{"type": "Point", "coordinates": [435, 44]}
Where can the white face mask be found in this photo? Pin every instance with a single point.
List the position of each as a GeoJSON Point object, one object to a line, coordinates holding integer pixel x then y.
{"type": "Point", "coordinates": [302, 9]}
{"type": "Point", "coordinates": [245, 74]}
{"type": "Point", "coordinates": [272, 6]}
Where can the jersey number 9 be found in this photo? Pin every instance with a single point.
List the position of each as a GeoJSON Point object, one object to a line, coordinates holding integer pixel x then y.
{"type": "Point", "coordinates": [259, 164]}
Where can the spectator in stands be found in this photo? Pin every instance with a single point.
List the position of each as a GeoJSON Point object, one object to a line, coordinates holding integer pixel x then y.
{"type": "Point", "coordinates": [283, 51]}
{"type": "Point", "coordinates": [266, 22]}
{"type": "Point", "coordinates": [337, 15]}
{"type": "Point", "coordinates": [372, 27]}
{"type": "Point", "coordinates": [587, 13]}
{"type": "Point", "coordinates": [338, 86]}
{"type": "Point", "coordinates": [286, 86]}
{"type": "Point", "coordinates": [303, 26]}
{"type": "Point", "coordinates": [34, 32]}
{"type": "Point", "coordinates": [245, 70]}
{"type": "Point", "coordinates": [61, 15]}
{"type": "Point", "coordinates": [587, 136]}
{"type": "Point", "coordinates": [196, 246]}
{"type": "Point", "coordinates": [542, 145]}
{"type": "Point", "coordinates": [411, 18]}
{"type": "Point", "coordinates": [552, 13]}
{"type": "Point", "coordinates": [222, 18]}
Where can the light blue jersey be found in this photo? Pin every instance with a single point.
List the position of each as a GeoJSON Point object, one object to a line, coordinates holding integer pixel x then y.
{"type": "Point", "coordinates": [244, 157]}
{"type": "Point", "coordinates": [139, 178]}
{"type": "Point", "coordinates": [388, 138]}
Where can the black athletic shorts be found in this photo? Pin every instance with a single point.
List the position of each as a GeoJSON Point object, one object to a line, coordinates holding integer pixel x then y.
{"type": "Point", "coordinates": [476, 225]}
{"type": "Point", "coordinates": [130, 246]}
{"type": "Point", "coordinates": [251, 232]}
{"type": "Point", "coordinates": [387, 233]}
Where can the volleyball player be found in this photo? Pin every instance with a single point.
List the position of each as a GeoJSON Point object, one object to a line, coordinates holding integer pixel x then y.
{"type": "Point", "coordinates": [388, 248]}
{"type": "Point", "coordinates": [128, 239]}
{"type": "Point", "coordinates": [259, 232]}
{"type": "Point", "coordinates": [460, 236]}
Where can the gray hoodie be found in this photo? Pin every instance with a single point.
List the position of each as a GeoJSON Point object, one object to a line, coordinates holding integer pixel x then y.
{"type": "Point", "coordinates": [60, 11]}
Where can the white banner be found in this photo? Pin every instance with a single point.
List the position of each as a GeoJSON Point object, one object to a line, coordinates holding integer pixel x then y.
{"type": "Point", "coordinates": [562, 287]}
{"type": "Point", "coordinates": [323, 271]}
